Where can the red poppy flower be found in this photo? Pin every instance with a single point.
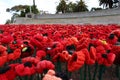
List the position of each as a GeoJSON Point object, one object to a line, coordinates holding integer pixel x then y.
{"type": "Point", "coordinates": [77, 61]}
{"type": "Point", "coordinates": [26, 49]}
{"type": "Point", "coordinates": [106, 59]}
{"type": "Point", "coordinates": [15, 44]}
{"type": "Point", "coordinates": [87, 54]}
{"type": "Point", "coordinates": [3, 55]}
{"type": "Point", "coordinates": [44, 65]}
{"type": "Point", "coordinates": [93, 53]}
{"type": "Point", "coordinates": [2, 48]}
{"type": "Point", "coordinates": [14, 55]}
{"type": "Point", "coordinates": [71, 40]}
{"type": "Point", "coordinates": [63, 57]}
{"type": "Point", "coordinates": [6, 39]}
{"type": "Point", "coordinates": [105, 44]}
{"type": "Point", "coordinates": [26, 69]}
{"type": "Point", "coordinates": [90, 56]}
{"type": "Point", "coordinates": [116, 32]}
{"type": "Point", "coordinates": [56, 47]}
{"type": "Point", "coordinates": [83, 43]}
{"type": "Point", "coordinates": [11, 71]}
{"type": "Point", "coordinates": [112, 39]}
{"type": "Point", "coordinates": [96, 42]}
{"type": "Point", "coordinates": [41, 54]}
{"type": "Point", "coordinates": [116, 50]}
{"type": "Point", "coordinates": [33, 60]}
{"type": "Point", "coordinates": [36, 41]}
{"type": "Point", "coordinates": [100, 49]}
{"type": "Point", "coordinates": [7, 72]}
{"type": "Point", "coordinates": [82, 35]}
{"type": "Point", "coordinates": [57, 36]}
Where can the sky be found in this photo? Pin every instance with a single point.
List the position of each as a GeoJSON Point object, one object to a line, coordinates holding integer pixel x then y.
{"type": "Point", "coordinates": [45, 5]}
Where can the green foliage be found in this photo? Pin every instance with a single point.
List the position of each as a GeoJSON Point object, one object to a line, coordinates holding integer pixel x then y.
{"type": "Point", "coordinates": [17, 8]}
{"type": "Point", "coordinates": [63, 7]}
{"type": "Point", "coordinates": [71, 7]}
{"type": "Point", "coordinates": [23, 9]}
{"type": "Point", "coordinates": [108, 3]}
{"type": "Point", "coordinates": [81, 6]}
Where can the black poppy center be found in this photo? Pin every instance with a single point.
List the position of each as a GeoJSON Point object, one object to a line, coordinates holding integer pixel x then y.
{"type": "Point", "coordinates": [107, 51]}
{"type": "Point", "coordinates": [71, 48]}
{"type": "Point", "coordinates": [54, 46]}
{"type": "Point", "coordinates": [111, 36]}
{"type": "Point", "coordinates": [4, 69]}
{"type": "Point", "coordinates": [104, 55]}
{"type": "Point", "coordinates": [10, 51]}
{"type": "Point", "coordinates": [25, 42]}
{"type": "Point", "coordinates": [45, 34]}
{"type": "Point", "coordinates": [28, 64]}
{"type": "Point", "coordinates": [1, 31]}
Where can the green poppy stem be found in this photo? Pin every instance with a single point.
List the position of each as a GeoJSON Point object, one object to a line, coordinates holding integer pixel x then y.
{"type": "Point", "coordinates": [48, 57]}
{"type": "Point", "coordinates": [59, 68]}
{"type": "Point", "coordinates": [19, 78]}
{"type": "Point", "coordinates": [85, 72]}
{"type": "Point", "coordinates": [25, 78]}
{"type": "Point", "coordinates": [95, 72]}
{"type": "Point", "coordinates": [38, 77]}
{"type": "Point", "coordinates": [101, 71]}
{"type": "Point", "coordinates": [32, 77]}
{"type": "Point", "coordinates": [34, 54]}
{"type": "Point", "coordinates": [68, 73]}
{"type": "Point", "coordinates": [89, 74]}
{"type": "Point", "coordinates": [8, 48]}
{"type": "Point", "coordinates": [81, 76]}
{"type": "Point", "coordinates": [118, 72]}
{"type": "Point", "coordinates": [18, 60]}
{"type": "Point", "coordinates": [41, 76]}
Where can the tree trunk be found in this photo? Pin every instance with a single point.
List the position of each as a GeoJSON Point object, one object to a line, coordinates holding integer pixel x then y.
{"type": "Point", "coordinates": [110, 3]}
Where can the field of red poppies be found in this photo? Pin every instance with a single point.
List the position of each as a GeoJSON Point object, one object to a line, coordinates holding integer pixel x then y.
{"type": "Point", "coordinates": [60, 52]}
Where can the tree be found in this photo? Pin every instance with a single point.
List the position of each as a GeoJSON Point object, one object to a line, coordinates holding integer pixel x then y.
{"type": "Point", "coordinates": [62, 7]}
{"type": "Point", "coordinates": [22, 9]}
{"type": "Point", "coordinates": [108, 3]}
{"type": "Point", "coordinates": [71, 7]}
{"type": "Point", "coordinates": [81, 6]}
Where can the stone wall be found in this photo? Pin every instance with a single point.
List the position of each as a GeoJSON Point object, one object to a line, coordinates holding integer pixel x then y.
{"type": "Point", "coordinates": [110, 16]}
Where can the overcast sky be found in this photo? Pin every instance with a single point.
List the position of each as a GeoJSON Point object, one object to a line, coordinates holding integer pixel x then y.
{"type": "Point", "coordinates": [45, 5]}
